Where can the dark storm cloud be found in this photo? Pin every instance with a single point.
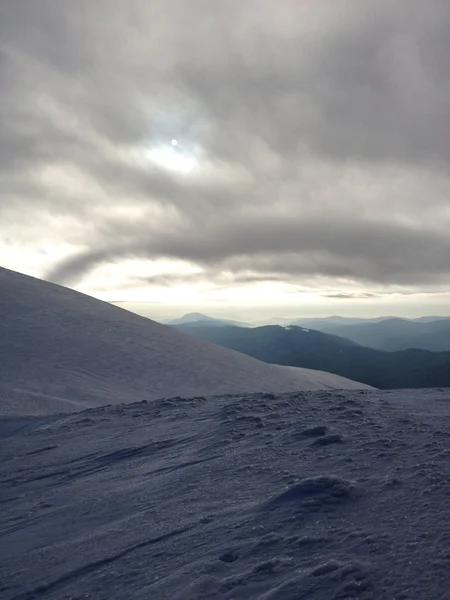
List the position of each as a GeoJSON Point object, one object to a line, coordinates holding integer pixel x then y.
{"type": "Point", "coordinates": [323, 126]}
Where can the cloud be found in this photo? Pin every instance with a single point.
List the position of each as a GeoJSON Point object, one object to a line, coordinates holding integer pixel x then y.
{"type": "Point", "coordinates": [318, 129]}
{"type": "Point", "coordinates": [352, 296]}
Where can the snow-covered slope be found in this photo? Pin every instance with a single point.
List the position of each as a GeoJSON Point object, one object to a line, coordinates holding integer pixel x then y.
{"type": "Point", "coordinates": [62, 351]}
{"type": "Point", "coordinates": [304, 496]}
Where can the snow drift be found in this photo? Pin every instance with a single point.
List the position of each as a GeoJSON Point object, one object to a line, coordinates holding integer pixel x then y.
{"type": "Point", "coordinates": [62, 351]}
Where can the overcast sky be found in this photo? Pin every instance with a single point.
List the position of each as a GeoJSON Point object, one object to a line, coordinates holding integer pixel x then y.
{"type": "Point", "coordinates": [242, 157]}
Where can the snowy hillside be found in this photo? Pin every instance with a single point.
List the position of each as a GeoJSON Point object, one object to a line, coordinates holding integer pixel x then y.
{"type": "Point", "coordinates": [63, 351]}
{"type": "Point", "coordinates": [303, 496]}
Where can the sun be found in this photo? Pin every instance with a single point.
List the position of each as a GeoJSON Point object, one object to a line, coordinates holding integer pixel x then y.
{"type": "Point", "coordinates": [172, 156]}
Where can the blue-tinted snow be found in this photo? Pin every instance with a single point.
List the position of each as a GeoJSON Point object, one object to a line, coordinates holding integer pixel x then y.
{"type": "Point", "coordinates": [302, 496]}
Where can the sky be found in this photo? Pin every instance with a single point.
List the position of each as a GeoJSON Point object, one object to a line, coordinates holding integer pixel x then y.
{"type": "Point", "coordinates": [247, 159]}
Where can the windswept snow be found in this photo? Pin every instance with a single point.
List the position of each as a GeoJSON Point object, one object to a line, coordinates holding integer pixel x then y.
{"type": "Point", "coordinates": [303, 496]}
{"type": "Point", "coordinates": [62, 351]}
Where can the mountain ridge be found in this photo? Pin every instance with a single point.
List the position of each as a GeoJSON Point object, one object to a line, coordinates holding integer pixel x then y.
{"type": "Point", "coordinates": [395, 333]}
{"type": "Point", "coordinates": [389, 333]}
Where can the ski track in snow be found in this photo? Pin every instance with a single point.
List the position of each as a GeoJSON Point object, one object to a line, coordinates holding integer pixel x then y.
{"type": "Point", "coordinates": [301, 496]}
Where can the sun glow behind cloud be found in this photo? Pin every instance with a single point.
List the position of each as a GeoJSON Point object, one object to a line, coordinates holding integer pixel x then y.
{"type": "Point", "coordinates": [173, 157]}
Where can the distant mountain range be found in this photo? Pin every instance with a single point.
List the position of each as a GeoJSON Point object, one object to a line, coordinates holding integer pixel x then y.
{"type": "Point", "coordinates": [381, 333]}
{"type": "Point", "coordinates": [298, 346]}
{"type": "Point", "coordinates": [335, 320]}
{"type": "Point", "coordinates": [388, 333]}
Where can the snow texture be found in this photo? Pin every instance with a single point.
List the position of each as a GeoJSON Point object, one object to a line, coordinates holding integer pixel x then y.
{"type": "Point", "coordinates": [62, 351]}
{"type": "Point", "coordinates": [230, 498]}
